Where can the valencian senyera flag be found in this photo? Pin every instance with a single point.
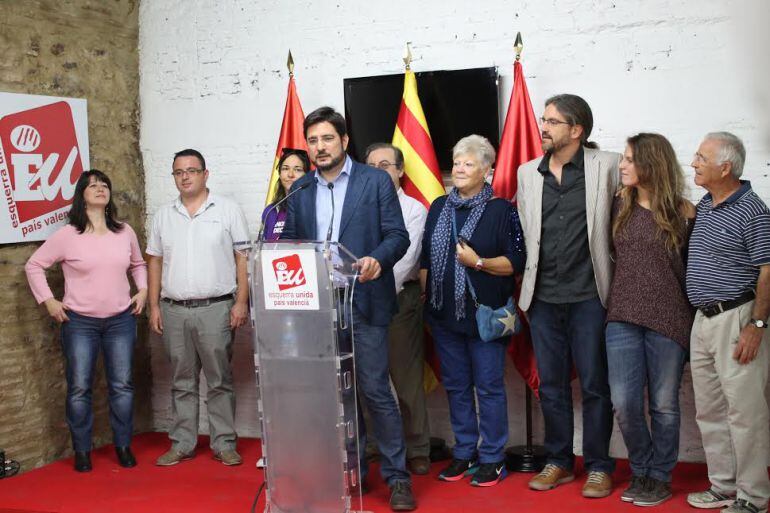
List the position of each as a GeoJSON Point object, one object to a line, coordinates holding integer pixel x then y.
{"type": "Point", "coordinates": [292, 135]}
{"type": "Point", "coordinates": [422, 180]}
{"type": "Point", "coordinates": [422, 176]}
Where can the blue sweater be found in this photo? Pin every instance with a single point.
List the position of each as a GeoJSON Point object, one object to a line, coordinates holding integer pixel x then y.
{"type": "Point", "coordinates": [498, 233]}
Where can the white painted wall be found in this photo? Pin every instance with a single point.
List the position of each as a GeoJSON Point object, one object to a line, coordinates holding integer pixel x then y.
{"type": "Point", "coordinates": [213, 77]}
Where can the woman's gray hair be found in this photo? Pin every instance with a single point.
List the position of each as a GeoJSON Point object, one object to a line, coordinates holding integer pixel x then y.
{"type": "Point", "coordinates": [731, 150]}
{"type": "Point", "coordinates": [478, 146]}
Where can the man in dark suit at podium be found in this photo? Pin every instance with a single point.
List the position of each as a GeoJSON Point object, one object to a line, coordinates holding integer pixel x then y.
{"type": "Point", "coordinates": [356, 205]}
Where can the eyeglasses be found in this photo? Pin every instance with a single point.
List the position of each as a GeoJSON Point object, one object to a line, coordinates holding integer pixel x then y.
{"type": "Point", "coordinates": [383, 164]}
{"type": "Point", "coordinates": [184, 172]}
{"type": "Point", "coordinates": [553, 122]}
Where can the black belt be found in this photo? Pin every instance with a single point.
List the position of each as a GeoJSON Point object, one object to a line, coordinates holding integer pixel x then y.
{"type": "Point", "coordinates": [195, 303]}
{"type": "Point", "coordinates": [723, 306]}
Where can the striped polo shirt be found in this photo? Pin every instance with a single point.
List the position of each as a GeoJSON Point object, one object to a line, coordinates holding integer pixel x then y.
{"type": "Point", "coordinates": [727, 246]}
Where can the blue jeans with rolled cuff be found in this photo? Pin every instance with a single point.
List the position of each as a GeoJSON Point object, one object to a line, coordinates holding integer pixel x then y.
{"type": "Point", "coordinates": [83, 338]}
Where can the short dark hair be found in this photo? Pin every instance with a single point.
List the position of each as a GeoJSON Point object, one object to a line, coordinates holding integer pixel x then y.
{"type": "Point", "coordinates": [577, 112]}
{"type": "Point", "coordinates": [77, 215]}
{"type": "Point", "coordinates": [383, 146]}
{"type": "Point", "coordinates": [189, 152]}
{"type": "Point", "coordinates": [329, 115]}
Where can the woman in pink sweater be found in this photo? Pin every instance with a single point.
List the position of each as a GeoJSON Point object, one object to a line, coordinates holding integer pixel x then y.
{"type": "Point", "coordinates": [97, 310]}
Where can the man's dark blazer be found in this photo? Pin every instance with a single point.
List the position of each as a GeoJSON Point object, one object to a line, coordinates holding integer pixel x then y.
{"type": "Point", "coordinates": [371, 225]}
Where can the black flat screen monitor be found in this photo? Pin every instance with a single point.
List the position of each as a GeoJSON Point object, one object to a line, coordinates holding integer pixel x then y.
{"type": "Point", "coordinates": [456, 103]}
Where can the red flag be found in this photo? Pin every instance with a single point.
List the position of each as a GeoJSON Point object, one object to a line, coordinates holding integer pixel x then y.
{"type": "Point", "coordinates": [292, 134]}
{"type": "Point", "coordinates": [520, 143]}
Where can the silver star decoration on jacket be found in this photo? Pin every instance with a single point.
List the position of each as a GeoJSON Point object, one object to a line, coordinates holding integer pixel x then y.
{"type": "Point", "coordinates": [509, 321]}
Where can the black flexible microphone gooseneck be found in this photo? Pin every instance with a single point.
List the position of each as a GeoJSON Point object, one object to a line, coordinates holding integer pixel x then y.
{"type": "Point", "coordinates": [330, 186]}
{"type": "Point", "coordinates": [260, 237]}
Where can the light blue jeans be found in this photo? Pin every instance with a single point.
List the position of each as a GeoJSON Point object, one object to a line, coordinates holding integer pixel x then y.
{"type": "Point", "coordinates": [641, 358]}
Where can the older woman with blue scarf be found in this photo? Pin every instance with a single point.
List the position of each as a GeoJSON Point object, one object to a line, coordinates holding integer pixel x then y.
{"type": "Point", "coordinates": [471, 248]}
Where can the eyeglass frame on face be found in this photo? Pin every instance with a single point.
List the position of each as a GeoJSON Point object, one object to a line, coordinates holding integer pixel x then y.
{"type": "Point", "coordinates": [178, 173]}
{"type": "Point", "coordinates": [552, 122]}
{"type": "Point", "coordinates": [384, 165]}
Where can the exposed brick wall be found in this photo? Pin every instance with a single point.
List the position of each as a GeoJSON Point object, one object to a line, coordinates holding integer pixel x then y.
{"type": "Point", "coordinates": [216, 79]}
{"type": "Point", "coordinates": [82, 49]}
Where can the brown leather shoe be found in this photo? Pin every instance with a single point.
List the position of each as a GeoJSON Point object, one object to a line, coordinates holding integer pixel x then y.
{"type": "Point", "coordinates": [550, 477]}
{"type": "Point", "coordinates": [597, 485]}
{"type": "Point", "coordinates": [228, 457]}
{"type": "Point", "coordinates": [419, 465]}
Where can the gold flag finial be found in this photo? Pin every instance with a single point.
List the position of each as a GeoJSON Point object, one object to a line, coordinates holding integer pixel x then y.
{"type": "Point", "coordinates": [518, 46]}
{"type": "Point", "coordinates": [408, 55]}
{"type": "Point", "coordinates": [290, 64]}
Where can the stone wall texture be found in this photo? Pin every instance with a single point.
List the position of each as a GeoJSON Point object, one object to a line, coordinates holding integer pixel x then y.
{"type": "Point", "coordinates": [82, 49]}
{"type": "Point", "coordinates": [216, 78]}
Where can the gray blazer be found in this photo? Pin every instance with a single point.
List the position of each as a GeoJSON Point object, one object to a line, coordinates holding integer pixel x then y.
{"type": "Point", "coordinates": [602, 179]}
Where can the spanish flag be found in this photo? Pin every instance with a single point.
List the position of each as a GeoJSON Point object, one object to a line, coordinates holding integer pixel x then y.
{"type": "Point", "coordinates": [422, 176]}
{"type": "Point", "coordinates": [292, 134]}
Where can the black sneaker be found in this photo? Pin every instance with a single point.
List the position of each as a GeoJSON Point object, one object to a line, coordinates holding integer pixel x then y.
{"type": "Point", "coordinates": [489, 474]}
{"type": "Point", "coordinates": [634, 488]}
{"type": "Point", "coordinates": [458, 469]}
{"type": "Point", "coordinates": [655, 492]}
{"type": "Point", "coordinates": [401, 497]}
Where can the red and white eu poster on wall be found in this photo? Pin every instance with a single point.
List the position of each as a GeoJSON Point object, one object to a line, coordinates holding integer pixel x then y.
{"type": "Point", "coordinates": [43, 152]}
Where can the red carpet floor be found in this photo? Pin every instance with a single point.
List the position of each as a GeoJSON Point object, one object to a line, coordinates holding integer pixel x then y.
{"type": "Point", "coordinates": [205, 485]}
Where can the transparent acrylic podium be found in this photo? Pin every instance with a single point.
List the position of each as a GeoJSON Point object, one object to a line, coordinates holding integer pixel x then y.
{"type": "Point", "coordinates": [301, 293]}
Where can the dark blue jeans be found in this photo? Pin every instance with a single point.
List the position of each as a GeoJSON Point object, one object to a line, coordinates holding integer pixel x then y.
{"type": "Point", "coordinates": [563, 335]}
{"type": "Point", "coordinates": [373, 385]}
{"type": "Point", "coordinates": [468, 363]}
{"type": "Point", "coordinates": [82, 339]}
{"type": "Point", "coordinates": [639, 357]}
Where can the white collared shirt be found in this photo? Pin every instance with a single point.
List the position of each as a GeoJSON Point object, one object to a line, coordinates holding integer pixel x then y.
{"type": "Point", "coordinates": [197, 251]}
{"type": "Point", "coordinates": [415, 215]}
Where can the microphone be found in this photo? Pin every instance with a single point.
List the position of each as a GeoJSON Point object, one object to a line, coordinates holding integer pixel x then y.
{"type": "Point", "coordinates": [261, 236]}
{"type": "Point", "coordinates": [331, 223]}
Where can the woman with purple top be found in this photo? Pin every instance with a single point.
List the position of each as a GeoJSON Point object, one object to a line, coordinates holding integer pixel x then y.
{"type": "Point", "coordinates": [649, 318]}
{"type": "Point", "coordinates": [292, 166]}
{"type": "Point", "coordinates": [97, 311]}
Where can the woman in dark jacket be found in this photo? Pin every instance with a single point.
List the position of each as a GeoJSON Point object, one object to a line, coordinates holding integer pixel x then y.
{"type": "Point", "coordinates": [471, 237]}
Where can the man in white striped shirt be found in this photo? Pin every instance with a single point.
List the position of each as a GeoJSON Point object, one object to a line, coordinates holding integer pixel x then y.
{"type": "Point", "coordinates": [728, 281]}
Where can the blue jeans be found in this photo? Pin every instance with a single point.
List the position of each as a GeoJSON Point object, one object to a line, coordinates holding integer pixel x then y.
{"type": "Point", "coordinates": [563, 335]}
{"type": "Point", "coordinates": [468, 363]}
{"type": "Point", "coordinates": [82, 339]}
{"type": "Point", "coordinates": [640, 357]}
{"type": "Point", "coordinates": [373, 385]}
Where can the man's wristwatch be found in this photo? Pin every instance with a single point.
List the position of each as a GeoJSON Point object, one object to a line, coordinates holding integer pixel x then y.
{"type": "Point", "coordinates": [479, 264]}
{"type": "Point", "coordinates": [759, 323]}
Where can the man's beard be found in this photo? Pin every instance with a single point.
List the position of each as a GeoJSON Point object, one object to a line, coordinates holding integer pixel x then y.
{"type": "Point", "coordinates": [550, 145]}
{"type": "Point", "coordinates": [331, 165]}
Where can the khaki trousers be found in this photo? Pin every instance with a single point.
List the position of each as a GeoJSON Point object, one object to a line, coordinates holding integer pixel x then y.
{"type": "Point", "coordinates": [406, 359]}
{"type": "Point", "coordinates": [195, 339]}
{"type": "Point", "coordinates": [731, 409]}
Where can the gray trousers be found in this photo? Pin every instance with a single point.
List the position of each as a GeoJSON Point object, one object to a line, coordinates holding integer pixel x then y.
{"type": "Point", "coordinates": [195, 339]}
{"type": "Point", "coordinates": [731, 409]}
{"type": "Point", "coordinates": [406, 358]}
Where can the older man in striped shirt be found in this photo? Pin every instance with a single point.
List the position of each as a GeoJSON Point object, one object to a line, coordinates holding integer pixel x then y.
{"type": "Point", "coordinates": [728, 280]}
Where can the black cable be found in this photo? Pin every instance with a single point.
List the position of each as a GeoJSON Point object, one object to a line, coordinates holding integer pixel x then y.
{"type": "Point", "coordinates": [11, 468]}
{"type": "Point", "coordinates": [259, 492]}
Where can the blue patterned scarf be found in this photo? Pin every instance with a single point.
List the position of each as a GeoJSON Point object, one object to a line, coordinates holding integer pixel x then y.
{"type": "Point", "coordinates": [442, 238]}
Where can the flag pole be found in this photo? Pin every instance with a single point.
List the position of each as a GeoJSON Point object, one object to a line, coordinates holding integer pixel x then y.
{"type": "Point", "coordinates": [529, 457]}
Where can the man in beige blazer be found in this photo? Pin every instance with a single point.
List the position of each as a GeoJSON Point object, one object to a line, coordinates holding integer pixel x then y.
{"type": "Point", "coordinates": [565, 201]}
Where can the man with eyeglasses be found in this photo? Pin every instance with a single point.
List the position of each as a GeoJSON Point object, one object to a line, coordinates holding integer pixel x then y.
{"type": "Point", "coordinates": [565, 201]}
{"type": "Point", "coordinates": [728, 281]}
{"type": "Point", "coordinates": [351, 203]}
{"type": "Point", "coordinates": [198, 294]}
{"type": "Point", "coordinates": [405, 333]}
